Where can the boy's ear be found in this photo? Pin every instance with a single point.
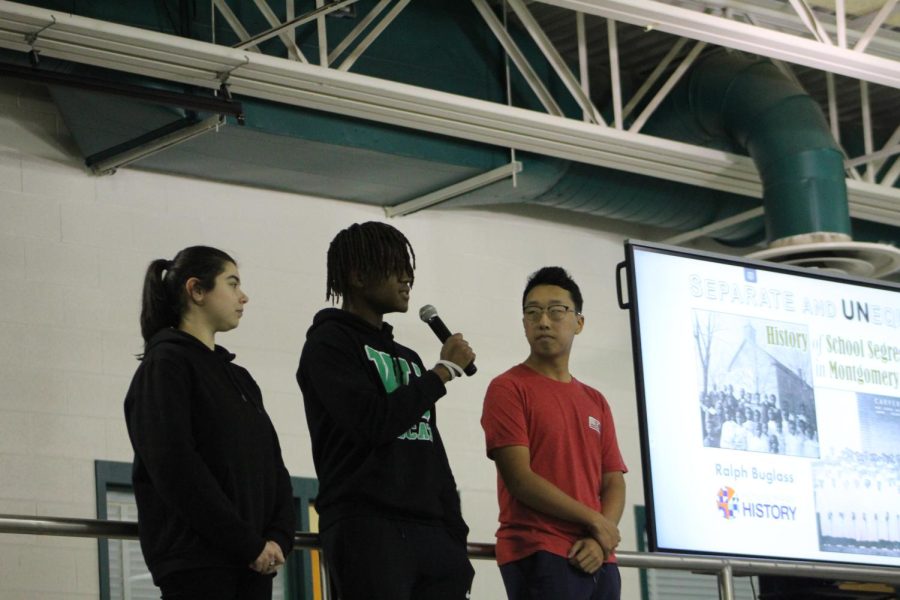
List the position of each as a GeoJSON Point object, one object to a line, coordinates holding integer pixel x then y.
{"type": "Point", "coordinates": [356, 279]}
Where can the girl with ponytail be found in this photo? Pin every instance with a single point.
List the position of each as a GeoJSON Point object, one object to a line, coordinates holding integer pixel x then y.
{"type": "Point", "coordinates": [215, 506]}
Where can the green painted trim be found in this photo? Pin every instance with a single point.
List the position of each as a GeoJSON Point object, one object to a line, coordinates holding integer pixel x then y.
{"type": "Point", "coordinates": [110, 475]}
{"type": "Point", "coordinates": [640, 530]}
{"type": "Point", "coordinates": [299, 563]}
{"type": "Point", "coordinates": [107, 475]}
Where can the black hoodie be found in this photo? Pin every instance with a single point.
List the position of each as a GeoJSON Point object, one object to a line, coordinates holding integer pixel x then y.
{"type": "Point", "coordinates": [370, 409]}
{"type": "Point", "coordinates": [208, 476]}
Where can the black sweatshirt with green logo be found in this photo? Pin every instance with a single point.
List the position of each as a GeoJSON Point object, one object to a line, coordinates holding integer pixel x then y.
{"type": "Point", "coordinates": [370, 409]}
{"type": "Point", "coordinates": [209, 480]}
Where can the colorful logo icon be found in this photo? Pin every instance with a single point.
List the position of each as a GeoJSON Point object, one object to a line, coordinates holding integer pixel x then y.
{"type": "Point", "coordinates": [727, 502]}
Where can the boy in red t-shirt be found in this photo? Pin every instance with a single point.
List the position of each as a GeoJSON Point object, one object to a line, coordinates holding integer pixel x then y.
{"type": "Point", "coordinates": [560, 480]}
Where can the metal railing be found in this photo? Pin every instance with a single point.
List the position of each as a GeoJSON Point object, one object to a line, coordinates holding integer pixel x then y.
{"type": "Point", "coordinates": [724, 568]}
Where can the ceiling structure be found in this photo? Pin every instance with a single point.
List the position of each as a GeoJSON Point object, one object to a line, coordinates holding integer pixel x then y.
{"type": "Point", "coordinates": [622, 54]}
{"type": "Point", "coordinates": [808, 41]}
{"type": "Point", "coordinates": [641, 50]}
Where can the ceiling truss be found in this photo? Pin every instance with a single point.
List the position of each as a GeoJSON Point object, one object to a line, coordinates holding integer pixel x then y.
{"type": "Point", "coordinates": [804, 37]}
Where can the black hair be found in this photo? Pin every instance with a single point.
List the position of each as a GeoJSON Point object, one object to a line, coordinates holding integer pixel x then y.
{"type": "Point", "coordinates": [373, 250]}
{"type": "Point", "coordinates": [164, 296]}
{"type": "Point", "coordinates": [554, 276]}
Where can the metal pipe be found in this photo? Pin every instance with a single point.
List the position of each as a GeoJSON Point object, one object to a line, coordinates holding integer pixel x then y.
{"type": "Point", "coordinates": [726, 583]}
{"type": "Point", "coordinates": [59, 526]}
{"type": "Point", "coordinates": [94, 528]}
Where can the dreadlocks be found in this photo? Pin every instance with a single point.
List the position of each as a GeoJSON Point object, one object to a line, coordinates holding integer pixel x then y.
{"type": "Point", "coordinates": [373, 250]}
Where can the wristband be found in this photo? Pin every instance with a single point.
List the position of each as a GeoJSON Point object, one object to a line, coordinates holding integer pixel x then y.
{"type": "Point", "coordinates": [454, 369]}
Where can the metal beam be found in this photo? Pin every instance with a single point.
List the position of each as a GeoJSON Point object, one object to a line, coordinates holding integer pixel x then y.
{"type": "Point", "coordinates": [322, 35]}
{"type": "Point", "coordinates": [741, 36]}
{"type": "Point", "coordinates": [527, 130]}
{"type": "Point", "coordinates": [654, 76]}
{"type": "Point", "coordinates": [452, 191]}
{"type": "Point", "coordinates": [292, 24]}
{"type": "Point", "coordinates": [583, 72]}
{"type": "Point", "coordinates": [667, 87]}
{"type": "Point", "coordinates": [874, 202]}
{"type": "Point", "coordinates": [233, 21]}
{"type": "Point", "coordinates": [840, 11]}
{"type": "Point", "coordinates": [715, 226]}
{"type": "Point", "coordinates": [868, 141]}
{"type": "Point", "coordinates": [555, 59]}
{"type": "Point", "coordinates": [512, 50]}
{"type": "Point", "coordinates": [771, 15]}
{"type": "Point", "coordinates": [156, 141]}
{"type": "Point", "coordinates": [808, 17]}
{"type": "Point", "coordinates": [373, 35]}
{"type": "Point", "coordinates": [885, 152]}
{"type": "Point", "coordinates": [833, 117]}
{"type": "Point", "coordinates": [614, 75]}
{"type": "Point", "coordinates": [171, 58]}
{"type": "Point", "coordinates": [890, 178]}
{"type": "Point", "coordinates": [285, 36]}
{"type": "Point", "coordinates": [788, 71]}
{"type": "Point", "coordinates": [289, 14]}
{"type": "Point", "coordinates": [869, 34]}
{"type": "Point", "coordinates": [356, 31]}
{"type": "Point", "coordinates": [138, 92]}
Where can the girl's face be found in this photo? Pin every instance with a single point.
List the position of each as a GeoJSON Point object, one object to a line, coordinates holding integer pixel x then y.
{"type": "Point", "coordinates": [223, 305]}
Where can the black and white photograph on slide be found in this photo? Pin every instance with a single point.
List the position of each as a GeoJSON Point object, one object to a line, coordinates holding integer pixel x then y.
{"type": "Point", "coordinates": [857, 497]}
{"type": "Point", "coordinates": [879, 423]}
{"type": "Point", "coordinates": [857, 488]}
{"type": "Point", "coordinates": [755, 384]}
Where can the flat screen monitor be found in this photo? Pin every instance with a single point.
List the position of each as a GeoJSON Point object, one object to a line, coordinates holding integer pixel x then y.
{"type": "Point", "coordinates": [769, 404]}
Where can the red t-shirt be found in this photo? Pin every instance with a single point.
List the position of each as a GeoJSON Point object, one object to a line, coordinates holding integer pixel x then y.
{"type": "Point", "coordinates": [569, 431]}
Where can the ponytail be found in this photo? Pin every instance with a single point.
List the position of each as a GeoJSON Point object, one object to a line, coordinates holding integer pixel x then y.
{"type": "Point", "coordinates": [158, 311]}
{"type": "Point", "coordinates": [164, 297]}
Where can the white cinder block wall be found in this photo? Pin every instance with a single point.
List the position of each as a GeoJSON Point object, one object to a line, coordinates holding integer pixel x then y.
{"type": "Point", "coordinates": [73, 249]}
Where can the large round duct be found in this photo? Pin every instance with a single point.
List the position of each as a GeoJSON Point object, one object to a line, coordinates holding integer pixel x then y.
{"type": "Point", "coordinates": [747, 102]}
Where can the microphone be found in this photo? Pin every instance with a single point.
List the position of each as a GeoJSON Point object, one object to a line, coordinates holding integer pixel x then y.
{"type": "Point", "coordinates": [429, 314]}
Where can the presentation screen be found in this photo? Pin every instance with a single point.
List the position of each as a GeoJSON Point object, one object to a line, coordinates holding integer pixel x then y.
{"type": "Point", "coordinates": [769, 401]}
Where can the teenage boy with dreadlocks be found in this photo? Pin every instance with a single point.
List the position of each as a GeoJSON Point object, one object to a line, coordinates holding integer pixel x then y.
{"type": "Point", "coordinates": [389, 515]}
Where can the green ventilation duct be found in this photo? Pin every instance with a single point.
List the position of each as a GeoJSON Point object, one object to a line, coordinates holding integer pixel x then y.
{"type": "Point", "coordinates": [727, 100]}
{"type": "Point", "coordinates": [770, 116]}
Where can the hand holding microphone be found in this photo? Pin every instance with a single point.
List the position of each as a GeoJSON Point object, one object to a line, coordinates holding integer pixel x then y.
{"type": "Point", "coordinates": [456, 351]}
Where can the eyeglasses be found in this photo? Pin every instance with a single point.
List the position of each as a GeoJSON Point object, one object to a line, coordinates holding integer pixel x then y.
{"type": "Point", "coordinates": [556, 312]}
